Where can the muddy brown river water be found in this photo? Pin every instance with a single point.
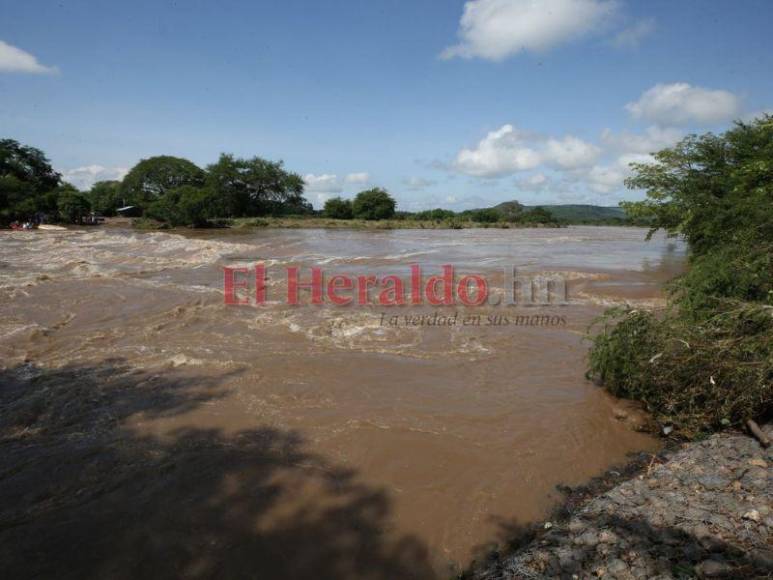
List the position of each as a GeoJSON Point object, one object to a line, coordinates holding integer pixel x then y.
{"type": "Point", "coordinates": [462, 429]}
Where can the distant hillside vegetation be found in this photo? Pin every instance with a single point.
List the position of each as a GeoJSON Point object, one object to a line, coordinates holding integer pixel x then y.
{"type": "Point", "coordinates": [583, 213]}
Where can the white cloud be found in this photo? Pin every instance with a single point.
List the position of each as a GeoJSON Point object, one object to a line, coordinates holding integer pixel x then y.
{"type": "Point", "coordinates": [325, 183]}
{"type": "Point", "coordinates": [632, 36]}
{"type": "Point", "coordinates": [652, 140]}
{"type": "Point", "coordinates": [417, 183]}
{"type": "Point", "coordinates": [320, 199]}
{"type": "Point", "coordinates": [500, 152]}
{"type": "Point", "coordinates": [509, 150]}
{"type": "Point", "coordinates": [533, 183]}
{"type": "Point", "coordinates": [497, 29]}
{"type": "Point", "coordinates": [84, 177]}
{"type": "Point", "coordinates": [570, 152]}
{"type": "Point", "coordinates": [605, 179]}
{"type": "Point", "coordinates": [682, 104]}
{"type": "Point", "coordinates": [16, 60]}
{"type": "Point", "coordinates": [362, 177]}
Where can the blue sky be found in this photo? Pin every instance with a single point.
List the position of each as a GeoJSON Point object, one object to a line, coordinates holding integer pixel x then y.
{"type": "Point", "coordinates": [445, 103]}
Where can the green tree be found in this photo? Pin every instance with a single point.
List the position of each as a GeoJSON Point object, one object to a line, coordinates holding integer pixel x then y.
{"type": "Point", "coordinates": [437, 214]}
{"type": "Point", "coordinates": [184, 206]}
{"type": "Point", "coordinates": [151, 178]}
{"type": "Point", "coordinates": [706, 362]}
{"type": "Point", "coordinates": [73, 205]}
{"type": "Point", "coordinates": [254, 187]}
{"type": "Point", "coordinates": [26, 181]}
{"type": "Point", "coordinates": [105, 197]}
{"type": "Point", "coordinates": [374, 204]}
{"type": "Point", "coordinates": [717, 192]}
{"type": "Point", "coordinates": [338, 208]}
{"type": "Point", "coordinates": [484, 216]}
{"type": "Point", "coordinates": [28, 165]}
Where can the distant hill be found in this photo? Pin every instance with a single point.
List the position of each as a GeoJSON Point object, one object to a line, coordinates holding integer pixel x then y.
{"type": "Point", "coordinates": [581, 213]}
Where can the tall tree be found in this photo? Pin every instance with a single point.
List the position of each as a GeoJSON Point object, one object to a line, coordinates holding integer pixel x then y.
{"type": "Point", "coordinates": [73, 205]}
{"type": "Point", "coordinates": [717, 192]}
{"type": "Point", "coordinates": [26, 180]}
{"type": "Point", "coordinates": [374, 204]}
{"type": "Point", "coordinates": [252, 187]}
{"type": "Point", "coordinates": [27, 164]}
{"type": "Point", "coordinates": [151, 178]}
{"type": "Point", "coordinates": [338, 208]}
{"type": "Point", "coordinates": [105, 197]}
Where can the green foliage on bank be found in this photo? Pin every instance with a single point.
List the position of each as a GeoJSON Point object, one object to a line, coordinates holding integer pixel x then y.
{"type": "Point", "coordinates": [28, 184]}
{"type": "Point", "coordinates": [707, 361]}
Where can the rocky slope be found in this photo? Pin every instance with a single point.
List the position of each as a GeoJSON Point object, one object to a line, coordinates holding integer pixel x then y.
{"type": "Point", "coordinates": [707, 512]}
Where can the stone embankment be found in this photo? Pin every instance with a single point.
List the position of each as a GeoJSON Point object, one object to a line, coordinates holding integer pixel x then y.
{"type": "Point", "coordinates": [705, 512]}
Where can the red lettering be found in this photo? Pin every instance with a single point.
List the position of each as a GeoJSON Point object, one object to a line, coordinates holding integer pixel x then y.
{"type": "Point", "coordinates": [293, 285]}
{"type": "Point", "coordinates": [230, 285]}
{"type": "Point", "coordinates": [481, 293]}
{"type": "Point", "coordinates": [339, 283]}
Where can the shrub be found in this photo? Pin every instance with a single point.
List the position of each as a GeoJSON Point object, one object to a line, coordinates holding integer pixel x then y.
{"type": "Point", "coordinates": [437, 214]}
{"type": "Point", "coordinates": [483, 216]}
{"type": "Point", "coordinates": [373, 204]}
{"type": "Point", "coordinates": [73, 205]}
{"type": "Point", "coordinates": [183, 206]}
{"type": "Point", "coordinates": [708, 362]}
{"type": "Point", "coordinates": [338, 208]}
{"type": "Point", "coordinates": [700, 376]}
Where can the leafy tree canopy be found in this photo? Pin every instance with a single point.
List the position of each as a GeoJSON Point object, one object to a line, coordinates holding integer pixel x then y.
{"type": "Point", "coordinates": [338, 208]}
{"type": "Point", "coordinates": [252, 187]}
{"type": "Point", "coordinates": [717, 192]}
{"type": "Point", "coordinates": [712, 189]}
{"type": "Point", "coordinates": [26, 181]}
{"type": "Point", "coordinates": [151, 178]}
{"type": "Point", "coordinates": [437, 214]}
{"type": "Point", "coordinates": [184, 206]}
{"type": "Point", "coordinates": [105, 197]}
{"type": "Point", "coordinates": [374, 204]}
{"type": "Point", "coordinates": [72, 204]}
{"type": "Point", "coordinates": [28, 165]}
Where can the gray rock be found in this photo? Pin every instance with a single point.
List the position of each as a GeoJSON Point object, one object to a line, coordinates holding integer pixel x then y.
{"type": "Point", "coordinates": [714, 569]}
{"type": "Point", "coordinates": [713, 482]}
{"type": "Point", "coordinates": [617, 566]}
{"type": "Point", "coordinates": [589, 539]}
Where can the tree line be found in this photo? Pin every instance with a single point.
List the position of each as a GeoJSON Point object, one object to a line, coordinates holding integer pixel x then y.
{"type": "Point", "coordinates": [169, 189]}
{"type": "Point", "coordinates": [177, 192]}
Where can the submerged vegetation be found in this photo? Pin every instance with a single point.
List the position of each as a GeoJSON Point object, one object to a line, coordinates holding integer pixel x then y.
{"type": "Point", "coordinates": [707, 361]}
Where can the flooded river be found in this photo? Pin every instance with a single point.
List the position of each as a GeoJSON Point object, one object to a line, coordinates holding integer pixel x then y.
{"type": "Point", "coordinates": [462, 429]}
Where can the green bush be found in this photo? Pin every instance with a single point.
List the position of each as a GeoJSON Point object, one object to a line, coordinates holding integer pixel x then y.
{"type": "Point", "coordinates": [437, 214]}
{"type": "Point", "coordinates": [374, 204]}
{"type": "Point", "coordinates": [338, 208]}
{"type": "Point", "coordinates": [183, 206]}
{"type": "Point", "coordinates": [707, 362]}
{"type": "Point", "coordinates": [483, 216]}
{"type": "Point", "coordinates": [72, 204]}
{"type": "Point", "coordinates": [698, 375]}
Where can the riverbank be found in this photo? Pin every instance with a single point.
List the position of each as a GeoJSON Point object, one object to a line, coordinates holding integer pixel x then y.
{"type": "Point", "coordinates": [702, 510]}
{"type": "Point", "coordinates": [300, 222]}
